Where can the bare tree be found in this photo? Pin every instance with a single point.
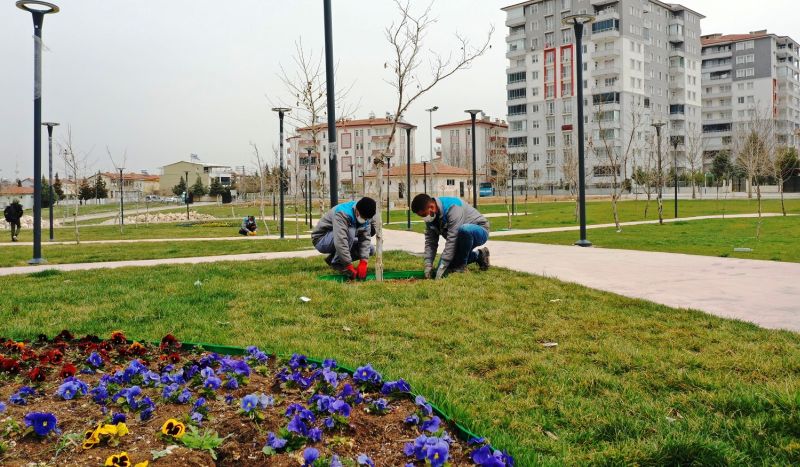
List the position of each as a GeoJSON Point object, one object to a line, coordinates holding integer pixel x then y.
{"type": "Point", "coordinates": [76, 167]}
{"type": "Point", "coordinates": [307, 85]}
{"type": "Point", "coordinates": [695, 148]}
{"type": "Point", "coordinates": [116, 166]}
{"type": "Point", "coordinates": [754, 146]}
{"type": "Point", "coordinates": [569, 167]}
{"type": "Point", "coordinates": [615, 158]}
{"type": "Point", "coordinates": [784, 165]}
{"type": "Point", "coordinates": [407, 39]}
{"type": "Point", "coordinates": [263, 171]}
{"type": "Point", "coordinates": [499, 170]}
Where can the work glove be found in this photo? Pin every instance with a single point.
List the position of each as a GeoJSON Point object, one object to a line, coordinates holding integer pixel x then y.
{"type": "Point", "coordinates": [351, 272]}
{"type": "Point", "coordinates": [428, 271]}
{"type": "Point", "coordinates": [441, 270]}
{"type": "Point", "coordinates": [362, 269]}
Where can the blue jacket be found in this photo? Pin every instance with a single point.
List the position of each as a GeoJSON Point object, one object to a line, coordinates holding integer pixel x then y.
{"type": "Point", "coordinates": [340, 220]}
{"type": "Point", "coordinates": [453, 213]}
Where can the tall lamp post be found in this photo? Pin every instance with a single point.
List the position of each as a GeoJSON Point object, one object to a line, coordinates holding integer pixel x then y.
{"type": "Point", "coordinates": [408, 177]}
{"type": "Point", "coordinates": [50, 196]}
{"type": "Point", "coordinates": [308, 183]}
{"type": "Point", "coordinates": [281, 112]}
{"type": "Point", "coordinates": [513, 204]}
{"type": "Point", "coordinates": [388, 187]}
{"type": "Point", "coordinates": [37, 9]}
{"type": "Point", "coordinates": [333, 162]}
{"type": "Point", "coordinates": [472, 113]}
{"type": "Point", "coordinates": [186, 193]}
{"type": "Point", "coordinates": [675, 142]}
{"type": "Point", "coordinates": [430, 154]}
{"type": "Point", "coordinates": [657, 126]}
{"type": "Point", "coordinates": [577, 22]}
{"type": "Point", "coordinates": [122, 198]}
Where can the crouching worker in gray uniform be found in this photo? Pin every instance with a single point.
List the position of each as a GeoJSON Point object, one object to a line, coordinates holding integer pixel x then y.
{"type": "Point", "coordinates": [344, 233]}
{"type": "Point", "coordinates": [462, 226]}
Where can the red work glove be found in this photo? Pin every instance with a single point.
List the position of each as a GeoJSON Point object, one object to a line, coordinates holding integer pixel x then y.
{"type": "Point", "coordinates": [351, 271]}
{"type": "Point", "coordinates": [362, 269]}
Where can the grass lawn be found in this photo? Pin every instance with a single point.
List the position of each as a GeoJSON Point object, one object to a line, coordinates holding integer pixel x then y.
{"type": "Point", "coordinates": [206, 229]}
{"type": "Point", "coordinates": [91, 253]}
{"type": "Point", "coordinates": [630, 382]}
{"type": "Point", "coordinates": [712, 237]}
{"type": "Point", "coordinates": [562, 214]}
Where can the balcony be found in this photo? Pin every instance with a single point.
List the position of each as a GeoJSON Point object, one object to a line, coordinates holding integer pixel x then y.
{"type": "Point", "coordinates": [379, 138]}
{"type": "Point", "coordinates": [516, 36]}
{"type": "Point", "coordinates": [606, 53]}
{"type": "Point", "coordinates": [514, 52]}
{"type": "Point", "coordinates": [606, 71]}
{"type": "Point", "coordinates": [602, 34]}
{"type": "Point", "coordinates": [711, 53]}
{"type": "Point", "coordinates": [717, 67]}
{"type": "Point", "coordinates": [677, 83]}
{"type": "Point", "coordinates": [515, 21]}
{"type": "Point", "coordinates": [608, 13]}
{"type": "Point", "coordinates": [304, 143]}
{"type": "Point", "coordinates": [602, 89]}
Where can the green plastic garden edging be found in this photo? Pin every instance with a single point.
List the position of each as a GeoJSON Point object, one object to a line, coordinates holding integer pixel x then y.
{"type": "Point", "coordinates": [461, 431]}
{"type": "Point", "coordinates": [389, 275]}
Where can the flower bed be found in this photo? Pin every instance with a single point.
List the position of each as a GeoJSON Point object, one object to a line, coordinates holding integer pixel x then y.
{"type": "Point", "coordinates": [85, 401]}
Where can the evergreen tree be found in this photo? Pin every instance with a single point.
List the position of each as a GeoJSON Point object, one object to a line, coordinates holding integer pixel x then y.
{"type": "Point", "coordinates": [198, 189]}
{"type": "Point", "coordinates": [85, 191]}
{"type": "Point", "coordinates": [180, 188]}
{"type": "Point", "coordinates": [100, 189]}
{"type": "Point", "coordinates": [58, 189]}
{"type": "Point", "coordinates": [46, 193]}
{"type": "Point", "coordinates": [216, 188]}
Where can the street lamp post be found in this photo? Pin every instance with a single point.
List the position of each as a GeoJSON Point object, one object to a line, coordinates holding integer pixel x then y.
{"type": "Point", "coordinates": [430, 154]}
{"type": "Point", "coordinates": [675, 142]}
{"type": "Point", "coordinates": [281, 112]}
{"type": "Point", "coordinates": [408, 177]}
{"type": "Point", "coordinates": [121, 199]}
{"type": "Point", "coordinates": [472, 113]}
{"type": "Point", "coordinates": [50, 196]}
{"type": "Point", "coordinates": [331, 91]}
{"type": "Point", "coordinates": [513, 204]}
{"type": "Point", "coordinates": [44, 8]}
{"type": "Point", "coordinates": [388, 186]}
{"type": "Point", "coordinates": [186, 194]}
{"type": "Point", "coordinates": [308, 183]}
{"type": "Point", "coordinates": [660, 182]}
{"type": "Point", "coordinates": [577, 22]}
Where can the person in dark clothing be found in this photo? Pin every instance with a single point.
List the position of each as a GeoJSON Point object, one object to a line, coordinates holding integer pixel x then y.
{"type": "Point", "coordinates": [13, 215]}
{"type": "Point", "coordinates": [249, 226]}
{"type": "Point", "coordinates": [344, 234]}
{"type": "Point", "coordinates": [462, 226]}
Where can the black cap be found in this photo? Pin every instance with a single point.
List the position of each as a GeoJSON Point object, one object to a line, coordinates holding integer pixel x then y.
{"type": "Point", "coordinates": [366, 207]}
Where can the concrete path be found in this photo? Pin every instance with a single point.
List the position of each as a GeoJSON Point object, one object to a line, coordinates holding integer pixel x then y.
{"type": "Point", "coordinates": [766, 293]}
{"type": "Point", "coordinates": [763, 292]}
{"type": "Point", "coordinates": [505, 233]}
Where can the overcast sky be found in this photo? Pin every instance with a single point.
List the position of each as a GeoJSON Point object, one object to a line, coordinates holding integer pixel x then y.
{"type": "Point", "coordinates": [163, 79]}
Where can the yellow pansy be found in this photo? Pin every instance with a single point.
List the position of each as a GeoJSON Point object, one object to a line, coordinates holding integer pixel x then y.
{"type": "Point", "coordinates": [118, 460]}
{"type": "Point", "coordinates": [173, 428]}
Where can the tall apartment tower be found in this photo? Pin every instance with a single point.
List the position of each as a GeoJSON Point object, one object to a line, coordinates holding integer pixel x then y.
{"type": "Point", "coordinates": [641, 65]}
{"type": "Point", "coordinates": [747, 76]}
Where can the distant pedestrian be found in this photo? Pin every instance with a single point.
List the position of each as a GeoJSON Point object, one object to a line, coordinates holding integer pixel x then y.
{"type": "Point", "coordinates": [13, 215]}
{"type": "Point", "coordinates": [249, 226]}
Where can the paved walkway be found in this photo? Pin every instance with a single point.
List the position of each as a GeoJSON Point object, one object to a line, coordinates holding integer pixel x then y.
{"type": "Point", "coordinates": [763, 292]}
{"type": "Point", "coordinates": [505, 233]}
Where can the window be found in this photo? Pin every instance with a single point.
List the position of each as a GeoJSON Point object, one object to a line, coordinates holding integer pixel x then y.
{"type": "Point", "coordinates": [535, 141]}
{"type": "Point", "coordinates": [517, 109]}
{"type": "Point", "coordinates": [535, 91]}
{"type": "Point", "coordinates": [451, 182]}
{"type": "Point", "coordinates": [516, 77]}
{"type": "Point", "coordinates": [550, 108]}
{"type": "Point", "coordinates": [534, 75]}
{"type": "Point", "coordinates": [517, 141]}
{"type": "Point", "coordinates": [534, 108]}
{"type": "Point", "coordinates": [551, 141]}
{"type": "Point", "coordinates": [517, 93]}
{"type": "Point", "coordinates": [741, 100]}
{"type": "Point", "coordinates": [568, 106]}
{"type": "Point", "coordinates": [534, 124]}
{"type": "Point", "coordinates": [519, 125]}
{"type": "Point", "coordinates": [551, 123]}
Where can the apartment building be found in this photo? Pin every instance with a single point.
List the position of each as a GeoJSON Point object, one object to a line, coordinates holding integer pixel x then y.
{"type": "Point", "coordinates": [490, 145]}
{"type": "Point", "coordinates": [359, 142]}
{"type": "Point", "coordinates": [641, 65]}
{"type": "Point", "coordinates": [748, 76]}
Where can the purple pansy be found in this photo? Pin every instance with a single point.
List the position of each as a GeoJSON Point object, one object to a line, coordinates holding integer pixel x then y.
{"type": "Point", "coordinates": [41, 422]}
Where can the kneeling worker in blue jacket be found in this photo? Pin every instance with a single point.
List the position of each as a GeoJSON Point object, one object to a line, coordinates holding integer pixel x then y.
{"type": "Point", "coordinates": [344, 233]}
{"type": "Point", "coordinates": [462, 226]}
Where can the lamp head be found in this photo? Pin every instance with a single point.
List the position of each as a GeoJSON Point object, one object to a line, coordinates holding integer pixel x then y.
{"type": "Point", "coordinates": [37, 7]}
{"type": "Point", "coordinates": [572, 20]}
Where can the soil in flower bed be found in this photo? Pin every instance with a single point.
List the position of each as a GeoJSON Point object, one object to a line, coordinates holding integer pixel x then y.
{"type": "Point", "coordinates": [247, 400]}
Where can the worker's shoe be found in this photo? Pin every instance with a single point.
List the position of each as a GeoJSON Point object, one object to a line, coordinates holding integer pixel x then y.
{"type": "Point", "coordinates": [483, 259]}
{"type": "Point", "coordinates": [329, 259]}
{"type": "Point", "coordinates": [14, 239]}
